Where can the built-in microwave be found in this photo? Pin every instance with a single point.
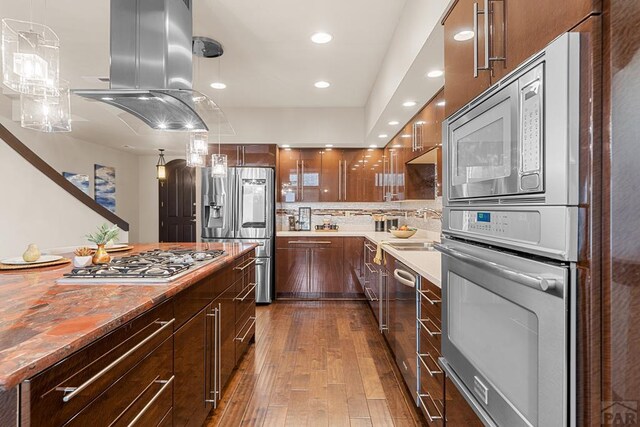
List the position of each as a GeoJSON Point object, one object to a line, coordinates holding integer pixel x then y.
{"type": "Point", "coordinates": [518, 141]}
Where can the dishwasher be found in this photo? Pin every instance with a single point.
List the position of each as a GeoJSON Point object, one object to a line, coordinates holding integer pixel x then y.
{"type": "Point", "coordinates": [403, 330]}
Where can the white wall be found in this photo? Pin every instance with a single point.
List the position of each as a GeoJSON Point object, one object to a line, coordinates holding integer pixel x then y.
{"type": "Point", "coordinates": [25, 189]}
{"type": "Point", "coordinates": [33, 209]}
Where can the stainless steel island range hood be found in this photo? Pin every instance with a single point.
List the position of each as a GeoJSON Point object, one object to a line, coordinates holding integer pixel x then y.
{"type": "Point", "coordinates": [151, 65]}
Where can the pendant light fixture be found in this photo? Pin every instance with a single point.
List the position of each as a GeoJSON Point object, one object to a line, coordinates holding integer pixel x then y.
{"type": "Point", "coordinates": [161, 168]}
{"type": "Point", "coordinates": [30, 57]}
{"type": "Point", "coordinates": [47, 111]}
{"type": "Point", "coordinates": [199, 142]}
{"type": "Point", "coordinates": [219, 165]}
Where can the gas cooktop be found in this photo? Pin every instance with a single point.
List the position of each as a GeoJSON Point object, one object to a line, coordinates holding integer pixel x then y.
{"type": "Point", "coordinates": [155, 266]}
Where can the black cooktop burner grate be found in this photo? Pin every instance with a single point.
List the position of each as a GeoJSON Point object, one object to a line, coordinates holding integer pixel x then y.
{"type": "Point", "coordinates": [151, 264]}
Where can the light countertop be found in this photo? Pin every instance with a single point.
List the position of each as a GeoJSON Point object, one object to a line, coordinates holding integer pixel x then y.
{"type": "Point", "coordinates": [425, 263]}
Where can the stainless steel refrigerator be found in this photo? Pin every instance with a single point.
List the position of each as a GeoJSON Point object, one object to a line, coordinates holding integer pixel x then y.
{"type": "Point", "coordinates": [241, 206]}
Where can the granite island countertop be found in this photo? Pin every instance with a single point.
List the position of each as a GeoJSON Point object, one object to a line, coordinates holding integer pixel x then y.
{"type": "Point", "coordinates": [425, 263]}
{"type": "Point", "coordinates": [42, 322]}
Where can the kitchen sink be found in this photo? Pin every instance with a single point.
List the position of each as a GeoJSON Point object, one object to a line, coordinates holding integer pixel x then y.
{"type": "Point", "coordinates": [412, 246]}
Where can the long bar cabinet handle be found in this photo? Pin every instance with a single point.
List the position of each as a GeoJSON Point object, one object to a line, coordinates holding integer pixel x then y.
{"type": "Point", "coordinates": [165, 384]}
{"type": "Point", "coordinates": [253, 319]}
{"type": "Point", "coordinates": [422, 356]}
{"type": "Point", "coordinates": [369, 292]}
{"type": "Point", "coordinates": [432, 418]}
{"type": "Point", "coordinates": [434, 301]}
{"type": "Point", "coordinates": [429, 331]}
{"type": "Point", "coordinates": [74, 391]}
{"type": "Point", "coordinates": [239, 298]}
{"type": "Point", "coordinates": [251, 261]}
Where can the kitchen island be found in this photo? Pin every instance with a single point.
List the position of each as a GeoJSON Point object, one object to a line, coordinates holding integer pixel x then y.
{"type": "Point", "coordinates": [94, 341]}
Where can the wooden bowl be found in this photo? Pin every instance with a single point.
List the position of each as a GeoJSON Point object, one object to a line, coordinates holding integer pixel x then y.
{"type": "Point", "coordinates": [403, 234]}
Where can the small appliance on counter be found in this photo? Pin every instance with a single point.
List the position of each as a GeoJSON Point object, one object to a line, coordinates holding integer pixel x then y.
{"type": "Point", "coordinates": [327, 227]}
{"type": "Point", "coordinates": [392, 224]}
{"type": "Point", "coordinates": [379, 222]}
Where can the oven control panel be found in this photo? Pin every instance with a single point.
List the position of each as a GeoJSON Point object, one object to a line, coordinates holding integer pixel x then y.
{"type": "Point", "coordinates": [522, 226]}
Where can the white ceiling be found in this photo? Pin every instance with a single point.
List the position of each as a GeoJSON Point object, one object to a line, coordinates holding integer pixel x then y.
{"type": "Point", "coordinates": [269, 64]}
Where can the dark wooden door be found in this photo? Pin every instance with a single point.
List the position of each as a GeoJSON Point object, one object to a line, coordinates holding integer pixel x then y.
{"type": "Point", "coordinates": [191, 347]}
{"type": "Point", "coordinates": [178, 203]}
{"type": "Point", "coordinates": [461, 86]}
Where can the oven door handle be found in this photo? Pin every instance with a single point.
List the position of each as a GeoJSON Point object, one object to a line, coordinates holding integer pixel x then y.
{"type": "Point", "coordinates": [534, 281]}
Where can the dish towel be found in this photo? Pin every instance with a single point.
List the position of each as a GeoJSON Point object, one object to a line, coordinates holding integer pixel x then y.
{"type": "Point", "coordinates": [379, 258]}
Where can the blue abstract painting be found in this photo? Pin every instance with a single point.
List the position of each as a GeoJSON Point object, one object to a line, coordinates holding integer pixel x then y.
{"type": "Point", "coordinates": [105, 186]}
{"type": "Point", "coordinates": [79, 180]}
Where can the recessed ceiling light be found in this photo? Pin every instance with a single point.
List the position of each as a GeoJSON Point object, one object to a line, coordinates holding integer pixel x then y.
{"type": "Point", "coordinates": [383, 135]}
{"type": "Point", "coordinates": [405, 135]}
{"type": "Point", "coordinates": [188, 126]}
{"type": "Point", "coordinates": [322, 84]}
{"type": "Point", "coordinates": [218, 85]}
{"type": "Point", "coordinates": [440, 103]}
{"type": "Point", "coordinates": [373, 146]}
{"type": "Point", "coordinates": [409, 103]}
{"type": "Point", "coordinates": [435, 73]}
{"type": "Point", "coordinates": [143, 98]}
{"type": "Point", "coordinates": [107, 98]}
{"type": "Point", "coordinates": [394, 122]}
{"type": "Point", "coordinates": [321, 37]}
{"type": "Point", "coordinates": [285, 146]}
{"type": "Point", "coordinates": [328, 145]}
{"type": "Point", "coordinates": [463, 35]}
{"type": "Point", "coordinates": [162, 125]}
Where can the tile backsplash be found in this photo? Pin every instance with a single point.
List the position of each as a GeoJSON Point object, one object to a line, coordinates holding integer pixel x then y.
{"type": "Point", "coordinates": [358, 216]}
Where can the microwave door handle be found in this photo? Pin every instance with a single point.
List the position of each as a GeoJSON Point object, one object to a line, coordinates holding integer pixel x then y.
{"type": "Point", "coordinates": [543, 283]}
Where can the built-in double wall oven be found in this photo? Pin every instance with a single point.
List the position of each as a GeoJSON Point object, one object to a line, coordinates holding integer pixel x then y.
{"type": "Point", "coordinates": [510, 243]}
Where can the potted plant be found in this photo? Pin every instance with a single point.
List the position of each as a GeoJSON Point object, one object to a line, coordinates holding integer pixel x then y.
{"type": "Point", "coordinates": [104, 235]}
{"type": "Point", "coordinates": [83, 257]}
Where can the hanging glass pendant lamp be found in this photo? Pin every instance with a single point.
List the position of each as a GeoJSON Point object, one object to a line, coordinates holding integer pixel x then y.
{"type": "Point", "coordinates": [194, 160]}
{"type": "Point", "coordinates": [30, 57]}
{"type": "Point", "coordinates": [199, 142]}
{"type": "Point", "coordinates": [161, 168]}
{"type": "Point", "coordinates": [46, 110]}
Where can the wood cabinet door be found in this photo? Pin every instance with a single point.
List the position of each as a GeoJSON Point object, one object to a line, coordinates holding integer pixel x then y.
{"type": "Point", "coordinates": [231, 150]}
{"type": "Point", "coordinates": [326, 278]}
{"type": "Point", "coordinates": [263, 155]}
{"type": "Point", "coordinates": [353, 266]}
{"type": "Point", "coordinates": [226, 305]}
{"type": "Point", "coordinates": [331, 176]}
{"type": "Point", "coordinates": [354, 181]}
{"type": "Point", "coordinates": [460, 84]}
{"type": "Point", "coordinates": [292, 272]}
{"type": "Point", "coordinates": [310, 171]}
{"type": "Point", "coordinates": [191, 352]}
{"type": "Point", "coordinates": [522, 28]}
{"type": "Point", "coordinates": [288, 175]}
{"type": "Point", "coordinates": [373, 170]}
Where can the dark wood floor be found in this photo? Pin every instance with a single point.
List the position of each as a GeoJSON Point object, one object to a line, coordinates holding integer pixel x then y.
{"type": "Point", "coordinates": [316, 364]}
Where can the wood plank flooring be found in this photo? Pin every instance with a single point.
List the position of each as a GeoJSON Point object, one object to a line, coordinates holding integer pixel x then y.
{"type": "Point", "coordinates": [316, 364]}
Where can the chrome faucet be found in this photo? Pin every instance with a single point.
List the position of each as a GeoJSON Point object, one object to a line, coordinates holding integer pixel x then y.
{"type": "Point", "coordinates": [423, 211]}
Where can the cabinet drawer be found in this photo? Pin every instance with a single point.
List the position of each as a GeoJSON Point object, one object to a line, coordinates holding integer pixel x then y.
{"type": "Point", "coordinates": [54, 396]}
{"type": "Point", "coordinates": [245, 302]}
{"type": "Point", "coordinates": [193, 299]}
{"type": "Point", "coordinates": [304, 242]}
{"type": "Point", "coordinates": [132, 397]}
{"type": "Point", "coordinates": [245, 332]}
{"type": "Point", "coordinates": [430, 302]}
{"type": "Point", "coordinates": [433, 409]}
{"type": "Point", "coordinates": [243, 266]}
{"type": "Point", "coordinates": [431, 375]}
{"type": "Point", "coordinates": [430, 332]}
